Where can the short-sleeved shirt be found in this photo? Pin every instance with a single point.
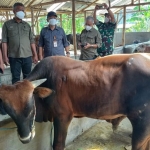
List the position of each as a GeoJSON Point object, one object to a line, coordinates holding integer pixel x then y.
{"type": "Point", "coordinates": [92, 37]}
{"type": "Point", "coordinates": [107, 32]}
{"type": "Point", "coordinates": [47, 38]}
{"type": "Point", "coordinates": [19, 38]}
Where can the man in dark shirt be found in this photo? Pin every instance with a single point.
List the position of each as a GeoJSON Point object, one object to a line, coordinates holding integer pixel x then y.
{"type": "Point", "coordinates": [106, 30]}
{"type": "Point", "coordinates": [18, 41]}
{"type": "Point", "coordinates": [52, 39]}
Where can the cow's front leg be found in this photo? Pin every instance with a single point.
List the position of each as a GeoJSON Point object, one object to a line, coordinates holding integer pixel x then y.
{"type": "Point", "coordinates": [60, 131]}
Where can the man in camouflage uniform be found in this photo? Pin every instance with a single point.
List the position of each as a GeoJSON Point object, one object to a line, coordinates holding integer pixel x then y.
{"type": "Point", "coordinates": [106, 30]}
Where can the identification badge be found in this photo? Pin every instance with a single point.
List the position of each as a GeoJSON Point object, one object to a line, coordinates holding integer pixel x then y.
{"type": "Point", "coordinates": [55, 43]}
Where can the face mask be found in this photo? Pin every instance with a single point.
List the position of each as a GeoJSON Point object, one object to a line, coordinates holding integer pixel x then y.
{"type": "Point", "coordinates": [52, 22]}
{"type": "Point", "coordinates": [20, 14]}
{"type": "Point", "coordinates": [106, 20]}
{"type": "Point", "coordinates": [88, 28]}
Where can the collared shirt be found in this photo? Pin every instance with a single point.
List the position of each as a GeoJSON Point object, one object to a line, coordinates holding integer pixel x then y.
{"type": "Point", "coordinates": [107, 32]}
{"type": "Point", "coordinates": [92, 37]}
{"type": "Point", "coordinates": [19, 38]}
{"type": "Point", "coordinates": [47, 38]}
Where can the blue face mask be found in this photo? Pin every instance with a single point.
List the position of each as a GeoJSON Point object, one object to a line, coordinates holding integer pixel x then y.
{"type": "Point", "coordinates": [88, 27]}
{"type": "Point", "coordinates": [20, 14]}
{"type": "Point", "coordinates": [52, 22]}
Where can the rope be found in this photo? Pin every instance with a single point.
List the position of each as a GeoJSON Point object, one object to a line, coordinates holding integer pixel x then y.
{"type": "Point", "coordinates": [2, 129]}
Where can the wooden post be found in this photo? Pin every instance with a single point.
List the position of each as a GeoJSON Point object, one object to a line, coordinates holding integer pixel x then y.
{"type": "Point", "coordinates": [124, 26]}
{"type": "Point", "coordinates": [132, 2]}
{"type": "Point", "coordinates": [139, 5]}
{"type": "Point", "coordinates": [84, 15]}
{"type": "Point", "coordinates": [32, 20]}
{"type": "Point", "coordinates": [7, 17]}
{"type": "Point", "coordinates": [109, 3]}
{"type": "Point", "coordinates": [61, 20]}
{"type": "Point", "coordinates": [74, 28]}
{"type": "Point", "coordinates": [38, 32]}
{"type": "Point", "coordinates": [117, 19]}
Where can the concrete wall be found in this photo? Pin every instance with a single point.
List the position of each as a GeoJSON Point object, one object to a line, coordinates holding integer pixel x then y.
{"type": "Point", "coordinates": [130, 37]}
{"type": "Point", "coordinates": [9, 139]}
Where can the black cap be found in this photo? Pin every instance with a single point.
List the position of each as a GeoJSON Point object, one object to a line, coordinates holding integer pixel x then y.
{"type": "Point", "coordinates": [51, 13]}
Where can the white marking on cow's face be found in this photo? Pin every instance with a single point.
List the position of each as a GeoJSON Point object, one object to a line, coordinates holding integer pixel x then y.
{"type": "Point", "coordinates": [25, 138]}
{"type": "Point", "coordinates": [33, 133]}
{"type": "Point", "coordinates": [29, 137]}
{"type": "Point", "coordinates": [145, 104]}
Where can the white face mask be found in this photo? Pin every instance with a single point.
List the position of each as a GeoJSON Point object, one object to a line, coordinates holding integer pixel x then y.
{"type": "Point", "coordinates": [52, 22]}
{"type": "Point", "coordinates": [88, 28]}
{"type": "Point", "coordinates": [20, 14]}
{"type": "Point", "coordinates": [106, 20]}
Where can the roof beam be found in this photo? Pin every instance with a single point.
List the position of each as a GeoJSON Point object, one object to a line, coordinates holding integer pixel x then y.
{"type": "Point", "coordinates": [12, 3]}
{"type": "Point", "coordinates": [122, 6]}
{"type": "Point", "coordinates": [26, 9]}
{"type": "Point", "coordinates": [30, 3]}
{"type": "Point", "coordinates": [48, 3]}
{"type": "Point", "coordinates": [147, 3]}
{"type": "Point", "coordinates": [87, 6]}
{"type": "Point", "coordinates": [83, 2]}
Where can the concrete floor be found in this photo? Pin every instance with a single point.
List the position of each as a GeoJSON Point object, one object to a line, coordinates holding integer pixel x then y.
{"type": "Point", "coordinates": [101, 137]}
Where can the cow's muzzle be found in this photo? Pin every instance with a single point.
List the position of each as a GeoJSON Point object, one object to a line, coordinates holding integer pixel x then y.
{"type": "Point", "coordinates": [27, 139]}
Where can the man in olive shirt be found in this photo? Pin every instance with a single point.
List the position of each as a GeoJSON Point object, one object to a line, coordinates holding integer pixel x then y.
{"type": "Point", "coordinates": [17, 39]}
{"type": "Point", "coordinates": [90, 40]}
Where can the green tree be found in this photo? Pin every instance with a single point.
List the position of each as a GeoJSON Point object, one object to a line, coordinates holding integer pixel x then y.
{"type": "Point", "coordinates": [66, 23]}
{"type": "Point", "coordinates": [141, 20]}
{"type": "Point", "coordinates": [42, 22]}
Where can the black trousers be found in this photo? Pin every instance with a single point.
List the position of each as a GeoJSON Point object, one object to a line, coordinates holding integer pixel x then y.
{"type": "Point", "coordinates": [20, 64]}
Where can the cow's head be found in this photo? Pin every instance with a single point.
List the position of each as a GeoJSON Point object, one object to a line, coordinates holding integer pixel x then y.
{"type": "Point", "coordinates": [18, 102]}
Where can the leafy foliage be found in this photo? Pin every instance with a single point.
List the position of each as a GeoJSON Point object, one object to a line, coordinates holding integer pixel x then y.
{"type": "Point", "coordinates": [67, 22]}
{"type": "Point", "coordinates": [42, 22]}
{"type": "Point", "coordinates": [141, 20]}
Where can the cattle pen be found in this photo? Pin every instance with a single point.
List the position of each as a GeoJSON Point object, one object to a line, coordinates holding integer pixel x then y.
{"type": "Point", "coordinates": [44, 131]}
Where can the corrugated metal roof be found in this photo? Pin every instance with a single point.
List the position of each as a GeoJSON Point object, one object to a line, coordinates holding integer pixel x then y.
{"type": "Point", "coordinates": [84, 5]}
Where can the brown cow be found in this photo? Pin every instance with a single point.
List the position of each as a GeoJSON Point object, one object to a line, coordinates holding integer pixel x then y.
{"type": "Point", "coordinates": [18, 103]}
{"type": "Point", "coordinates": [106, 88]}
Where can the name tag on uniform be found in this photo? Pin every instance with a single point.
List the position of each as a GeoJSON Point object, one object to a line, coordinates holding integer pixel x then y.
{"type": "Point", "coordinates": [55, 43]}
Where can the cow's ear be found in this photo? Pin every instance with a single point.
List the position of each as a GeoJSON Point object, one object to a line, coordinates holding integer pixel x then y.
{"type": "Point", "coordinates": [42, 92]}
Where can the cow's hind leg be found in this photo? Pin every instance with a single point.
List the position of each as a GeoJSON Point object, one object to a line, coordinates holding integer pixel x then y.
{"type": "Point", "coordinates": [60, 131]}
{"type": "Point", "coordinates": [141, 133]}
